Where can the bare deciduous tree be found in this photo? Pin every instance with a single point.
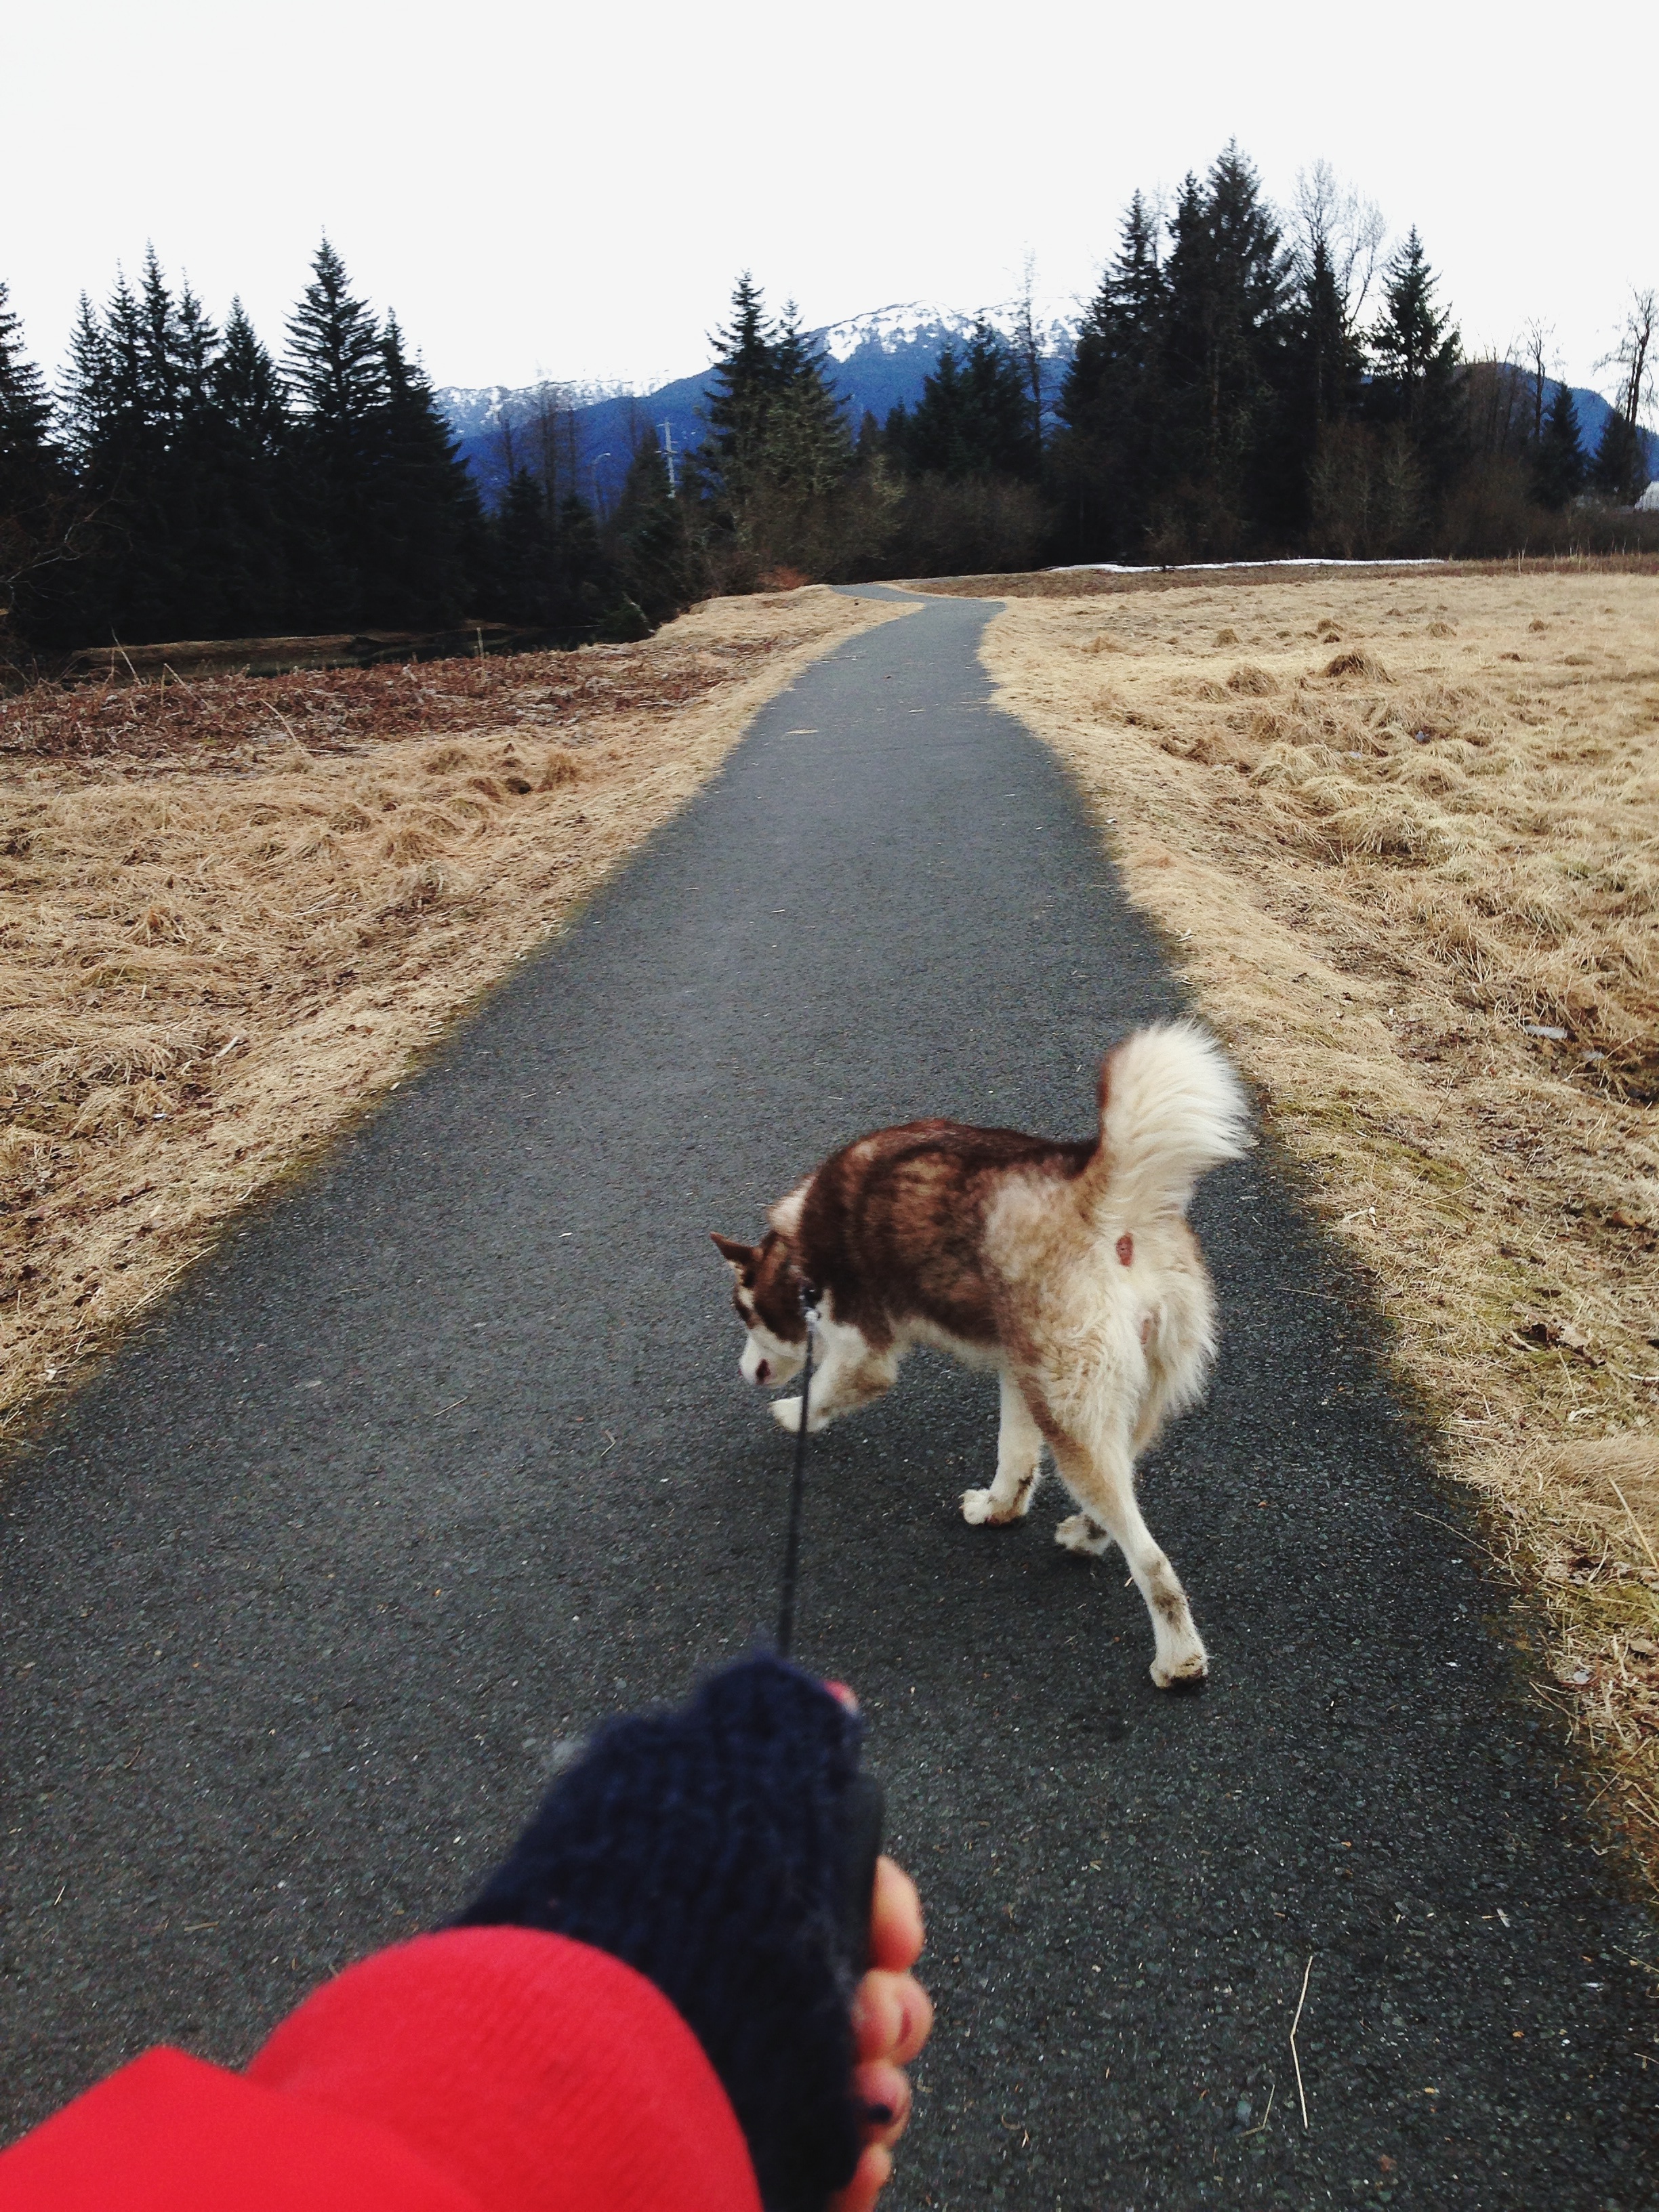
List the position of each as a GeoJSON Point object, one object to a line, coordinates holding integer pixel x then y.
{"type": "Point", "coordinates": [1632, 356]}
{"type": "Point", "coordinates": [1328, 213]}
{"type": "Point", "coordinates": [1536, 343]}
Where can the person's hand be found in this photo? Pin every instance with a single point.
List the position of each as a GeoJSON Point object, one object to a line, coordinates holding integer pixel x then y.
{"type": "Point", "coordinates": [892, 2018]}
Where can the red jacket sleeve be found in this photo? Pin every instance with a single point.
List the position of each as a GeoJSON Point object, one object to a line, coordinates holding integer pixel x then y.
{"type": "Point", "coordinates": [487, 2069]}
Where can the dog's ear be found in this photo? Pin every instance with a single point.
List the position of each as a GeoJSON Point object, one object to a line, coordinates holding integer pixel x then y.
{"type": "Point", "coordinates": [737, 1256]}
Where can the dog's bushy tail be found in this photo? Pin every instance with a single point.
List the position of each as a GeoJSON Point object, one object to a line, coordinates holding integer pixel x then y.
{"type": "Point", "coordinates": [1171, 1108]}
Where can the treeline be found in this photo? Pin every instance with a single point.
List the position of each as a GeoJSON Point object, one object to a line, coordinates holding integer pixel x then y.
{"type": "Point", "coordinates": [184, 483]}
{"type": "Point", "coordinates": [1243, 384]}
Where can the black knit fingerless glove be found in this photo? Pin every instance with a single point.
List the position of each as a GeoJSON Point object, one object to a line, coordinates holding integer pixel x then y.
{"type": "Point", "coordinates": [706, 1848]}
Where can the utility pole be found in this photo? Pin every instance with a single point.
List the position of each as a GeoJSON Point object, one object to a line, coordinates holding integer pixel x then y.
{"type": "Point", "coordinates": [667, 429]}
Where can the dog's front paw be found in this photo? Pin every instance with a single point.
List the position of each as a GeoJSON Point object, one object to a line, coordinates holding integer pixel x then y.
{"type": "Point", "coordinates": [1182, 1670]}
{"type": "Point", "coordinates": [785, 1412]}
{"type": "Point", "coordinates": [980, 1509]}
{"type": "Point", "coordinates": [1078, 1533]}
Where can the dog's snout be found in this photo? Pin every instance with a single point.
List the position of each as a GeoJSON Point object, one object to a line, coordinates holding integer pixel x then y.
{"type": "Point", "coordinates": [763, 1372]}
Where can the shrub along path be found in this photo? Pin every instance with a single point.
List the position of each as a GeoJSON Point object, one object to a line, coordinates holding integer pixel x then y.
{"type": "Point", "coordinates": [446, 1457]}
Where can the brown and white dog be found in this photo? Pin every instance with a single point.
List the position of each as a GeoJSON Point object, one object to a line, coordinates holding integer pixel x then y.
{"type": "Point", "coordinates": [1067, 1267]}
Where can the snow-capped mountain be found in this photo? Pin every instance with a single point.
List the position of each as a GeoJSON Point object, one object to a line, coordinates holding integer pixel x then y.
{"type": "Point", "coordinates": [881, 358]}
{"type": "Point", "coordinates": [900, 329]}
{"type": "Point", "coordinates": [473, 411]}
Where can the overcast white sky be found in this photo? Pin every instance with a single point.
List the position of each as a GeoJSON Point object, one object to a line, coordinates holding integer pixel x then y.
{"type": "Point", "coordinates": [569, 192]}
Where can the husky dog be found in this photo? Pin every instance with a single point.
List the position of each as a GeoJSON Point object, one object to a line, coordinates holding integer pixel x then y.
{"type": "Point", "coordinates": [1068, 1267]}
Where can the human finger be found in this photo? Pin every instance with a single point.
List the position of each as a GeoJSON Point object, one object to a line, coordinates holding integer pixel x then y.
{"type": "Point", "coordinates": [870, 2177]}
{"type": "Point", "coordinates": [892, 2017]}
{"type": "Point", "coordinates": [882, 2094]}
{"type": "Point", "coordinates": [897, 1932]}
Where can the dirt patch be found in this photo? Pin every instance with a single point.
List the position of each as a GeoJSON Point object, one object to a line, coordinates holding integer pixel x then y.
{"type": "Point", "coordinates": [1416, 886]}
{"type": "Point", "coordinates": [180, 724]}
{"type": "Point", "coordinates": [232, 912]}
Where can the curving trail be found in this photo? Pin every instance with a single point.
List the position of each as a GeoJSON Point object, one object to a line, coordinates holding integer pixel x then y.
{"type": "Point", "coordinates": [446, 1455]}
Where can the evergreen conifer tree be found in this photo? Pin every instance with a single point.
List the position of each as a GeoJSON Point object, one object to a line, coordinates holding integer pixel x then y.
{"type": "Point", "coordinates": [117, 410]}
{"type": "Point", "coordinates": [927, 436]}
{"type": "Point", "coordinates": [807, 448]}
{"type": "Point", "coordinates": [124, 444]}
{"type": "Point", "coordinates": [1322, 391]}
{"type": "Point", "coordinates": [1226, 328]}
{"type": "Point", "coordinates": [25, 412]}
{"type": "Point", "coordinates": [1619, 470]}
{"type": "Point", "coordinates": [1557, 459]}
{"type": "Point", "coordinates": [239, 439]}
{"type": "Point", "coordinates": [35, 512]}
{"type": "Point", "coordinates": [1106, 458]}
{"type": "Point", "coordinates": [584, 584]}
{"type": "Point", "coordinates": [647, 532]}
{"type": "Point", "coordinates": [779, 456]}
{"type": "Point", "coordinates": [1328, 361]}
{"type": "Point", "coordinates": [248, 390]}
{"type": "Point", "coordinates": [1327, 354]}
{"type": "Point", "coordinates": [176, 550]}
{"type": "Point", "coordinates": [523, 582]}
{"type": "Point", "coordinates": [86, 400]}
{"type": "Point", "coordinates": [337, 371]}
{"type": "Point", "coordinates": [25, 407]}
{"type": "Point", "coordinates": [338, 362]}
{"type": "Point", "coordinates": [549, 569]}
{"type": "Point", "coordinates": [202, 587]}
{"type": "Point", "coordinates": [208, 507]}
{"type": "Point", "coordinates": [1416, 352]}
{"type": "Point", "coordinates": [974, 417]}
{"type": "Point", "coordinates": [196, 351]}
{"type": "Point", "coordinates": [232, 450]}
{"type": "Point", "coordinates": [426, 540]}
{"type": "Point", "coordinates": [160, 352]}
{"type": "Point", "coordinates": [745, 381]}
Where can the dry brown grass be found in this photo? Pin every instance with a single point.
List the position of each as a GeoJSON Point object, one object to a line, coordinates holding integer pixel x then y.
{"type": "Point", "coordinates": [1403, 831]}
{"type": "Point", "coordinates": [231, 914]}
{"type": "Point", "coordinates": [1114, 583]}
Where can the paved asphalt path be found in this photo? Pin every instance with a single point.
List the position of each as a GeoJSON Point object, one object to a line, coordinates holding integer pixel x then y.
{"type": "Point", "coordinates": [446, 1455]}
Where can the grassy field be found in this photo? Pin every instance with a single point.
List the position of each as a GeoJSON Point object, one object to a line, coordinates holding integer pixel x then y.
{"type": "Point", "coordinates": [1400, 831]}
{"type": "Point", "coordinates": [234, 911]}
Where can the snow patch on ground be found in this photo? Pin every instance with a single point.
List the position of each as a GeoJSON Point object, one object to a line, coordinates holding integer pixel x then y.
{"type": "Point", "coordinates": [1188, 568]}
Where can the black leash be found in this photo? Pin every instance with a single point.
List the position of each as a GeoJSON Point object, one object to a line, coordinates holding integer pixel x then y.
{"type": "Point", "coordinates": [865, 1808]}
{"type": "Point", "coordinates": [797, 1485]}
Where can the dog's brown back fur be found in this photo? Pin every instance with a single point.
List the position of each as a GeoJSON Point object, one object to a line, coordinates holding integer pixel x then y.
{"type": "Point", "coordinates": [893, 1224]}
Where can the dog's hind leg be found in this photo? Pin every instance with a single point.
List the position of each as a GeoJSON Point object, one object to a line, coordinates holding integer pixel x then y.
{"type": "Point", "coordinates": [1101, 1480]}
{"type": "Point", "coordinates": [1020, 1462]}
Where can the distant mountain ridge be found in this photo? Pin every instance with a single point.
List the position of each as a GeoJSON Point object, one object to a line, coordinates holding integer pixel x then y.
{"type": "Point", "coordinates": [881, 359]}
